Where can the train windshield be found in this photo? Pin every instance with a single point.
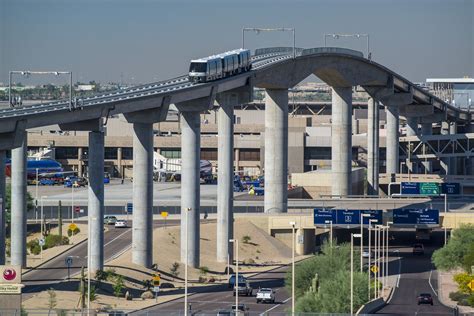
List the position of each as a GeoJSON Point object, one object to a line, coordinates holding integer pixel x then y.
{"type": "Point", "coordinates": [198, 67]}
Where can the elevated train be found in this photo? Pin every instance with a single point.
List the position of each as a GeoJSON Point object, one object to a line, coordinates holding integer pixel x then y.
{"type": "Point", "coordinates": [220, 66]}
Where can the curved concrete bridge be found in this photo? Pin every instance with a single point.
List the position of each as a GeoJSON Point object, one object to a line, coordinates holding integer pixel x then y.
{"type": "Point", "coordinates": [274, 69]}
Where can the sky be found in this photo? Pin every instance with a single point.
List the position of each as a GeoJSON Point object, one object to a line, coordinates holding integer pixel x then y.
{"type": "Point", "coordinates": [140, 41]}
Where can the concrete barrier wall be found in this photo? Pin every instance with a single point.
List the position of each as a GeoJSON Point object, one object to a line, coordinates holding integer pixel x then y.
{"type": "Point", "coordinates": [371, 307]}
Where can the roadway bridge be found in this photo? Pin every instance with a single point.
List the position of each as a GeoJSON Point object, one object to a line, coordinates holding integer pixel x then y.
{"type": "Point", "coordinates": [275, 70]}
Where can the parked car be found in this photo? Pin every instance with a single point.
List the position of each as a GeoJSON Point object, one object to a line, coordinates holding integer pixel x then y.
{"type": "Point", "coordinates": [266, 295]}
{"type": "Point", "coordinates": [425, 298]}
{"type": "Point", "coordinates": [243, 288]}
{"type": "Point", "coordinates": [231, 281]}
{"type": "Point", "coordinates": [418, 249]}
{"type": "Point", "coordinates": [110, 220]}
{"type": "Point", "coordinates": [121, 223]}
{"type": "Point", "coordinates": [242, 310]}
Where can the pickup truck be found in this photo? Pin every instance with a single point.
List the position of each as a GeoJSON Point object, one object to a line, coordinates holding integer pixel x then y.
{"type": "Point", "coordinates": [244, 288]}
{"type": "Point", "coordinates": [266, 295]}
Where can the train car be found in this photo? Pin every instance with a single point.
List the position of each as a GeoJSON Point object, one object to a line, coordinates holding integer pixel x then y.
{"type": "Point", "coordinates": [220, 66]}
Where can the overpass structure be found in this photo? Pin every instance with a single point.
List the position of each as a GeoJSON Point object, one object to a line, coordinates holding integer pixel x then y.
{"type": "Point", "coordinates": [275, 70]}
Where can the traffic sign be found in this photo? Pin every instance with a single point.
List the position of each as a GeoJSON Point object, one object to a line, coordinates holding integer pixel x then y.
{"type": "Point", "coordinates": [68, 261]}
{"type": "Point", "coordinates": [450, 188]}
{"type": "Point", "coordinates": [129, 208]}
{"type": "Point", "coordinates": [471, 285]}
{"type": "Point", "coordinates": [321, 215]}
{"type": "Point", "coordinates": [72, 226]}
{"type": "Point", "coordinates": [416, 217]}
{"type": "Point", "coordinates": [156, 280]}
{"type": "Point", "coordinates": [41, 242]}
{"type": "Point", "coordinates": [374, 269]}
{"type": "Point", "coordinates": [429, 188]}
{"type": "Point", "coordinates": [410, 188]}
{"type": "Point", "coordinates": [77, 209]}
{"type": "Point", "coordinates": [156, 289]}
{"type": "Point", "coordinates": [164, 214]}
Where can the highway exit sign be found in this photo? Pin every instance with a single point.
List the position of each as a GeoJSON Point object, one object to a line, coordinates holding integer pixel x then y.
{"type": "Point", "coordinates": [429, 188]}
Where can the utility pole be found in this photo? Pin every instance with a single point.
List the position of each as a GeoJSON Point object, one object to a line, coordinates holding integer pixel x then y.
{"type": "Point", "coordinates": [60, 221]}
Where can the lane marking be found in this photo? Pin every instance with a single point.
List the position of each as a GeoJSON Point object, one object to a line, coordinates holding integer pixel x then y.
{"type": "Point", "coordinates": [431, 285]}
{"type": "Point", "coordinates": [272, 308]}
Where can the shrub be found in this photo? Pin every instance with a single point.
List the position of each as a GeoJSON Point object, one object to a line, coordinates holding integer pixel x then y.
{"type": "Point", "coordinates": [463, 279]}
{"type": "Point", "coordinates": [174, 269]}
{"type": "Point", "coordinates": [246, 239]}
{"type": "Point", "coordinates": [457, 296]}
{"type": "Point", "coordinates": [52, 302]}
{"type": "Point", "coordinates": [110, 273]}
{"type": "Point", "coordinates": [55, 240]}
{"type": "Point", "coordinates": [34, 247]}
{"type": "Point", "coordinates": [118, 285]}
{"type": "Point", "coordinates": [203, 270]}
{"type": "Point", "coordinates": [72, 232]}
{"type": "Point", "coordinates": [470, 300]}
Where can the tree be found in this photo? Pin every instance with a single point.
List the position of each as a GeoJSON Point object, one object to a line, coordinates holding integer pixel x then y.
{"type": "Point", "coordinates": [8, 197]}
{"type": "Point", "coordinates": [52, 302]}
{"type": "Point", "coordinates": [118, 285]}
{"type": "Point", "coordinates": [174, 269]}
{"type": "Point", "coordinates": [453, 254]}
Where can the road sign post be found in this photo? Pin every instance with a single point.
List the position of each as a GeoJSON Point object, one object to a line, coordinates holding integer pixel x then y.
{"type": "Point", "coordinates": [68, 264]}
{"type": "Point", "coordinates": [41, 242]}
{"type": "Point", "coordinates": [164, 215]}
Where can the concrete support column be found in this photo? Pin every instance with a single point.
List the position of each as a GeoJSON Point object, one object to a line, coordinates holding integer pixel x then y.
{"type": "Point", "coordinates": [225, 189]}
{"type": "Point", "coordinates": [373, 147]}
{"type": "Point", "coordinates": [392, 139]}
{"type": "Point", "coordinates": [453, 161]}
{"type": "Point", "coordinates": [142, 234]}
{"type": "Point", "coordinates": [444, 128]}
{"type": "Point", "coordinates": [80, 171]}
{"type": "Point", "coordinates": [237, 160]}
{"type": "Point", "coordinates": [3, 157]}
{"type": "Point", "coordinates": [119, 162]}
{"type": "Point", "coordinates": [18, 204]}
{"type": "Point", "coordinates": [444, 163]}
{"type": "Point", "coordinates": [341, 139]}
{"type": "Point", "coordinates": [276, 151]}
{"type": "Point", "coordinates": [412, 126]}
{"type": "Point", "coordinates": [96, 199]}
{"type": "Point", "coordinates": [426, 129]}
{"type": "Point", "coordinates": [190, 191]}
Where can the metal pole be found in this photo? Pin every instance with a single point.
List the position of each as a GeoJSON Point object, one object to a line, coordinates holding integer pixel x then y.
{"type": "Point", "coordinates": [383, 256]}
{"type": "Point", "coordinates": [361, 241]}
{"type": "Point", "coordinates": [375, 262]}
{"type": "Point", "coordinates": [294, 43]}
{"type": "Point", "coordinates": [386, 251]}
{"type": "Point", "coordinates": [378, 263]}
{"type": "Point", "coordinates": [444, 219]}
{"type": "Point", "coordinates": [186, 265]}
{"type": "Point", "coordinates": [10, 89]}
{"type": "Point", "coordinates": [368, 50]}
{"type": "Point", "coordinates": [236, 274]}
{"type": "Point", "coordinates": [330, 232]}
{"type": "Point", "coordinates": [293, 272]}
{"type": "Point", "coordinates": [72, 203]}
{"type": "Point", "coordinates": [70, 90]}
{"type": "Point", "coordinates": [243, 37]}
{"type": "Point", "coordinates": [370, 254]}
{"type": "Point", "coordinates": [352, 274]}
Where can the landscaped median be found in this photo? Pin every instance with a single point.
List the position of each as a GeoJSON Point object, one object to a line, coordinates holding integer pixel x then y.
{"type": "Point", "coordinates": [456, 264]}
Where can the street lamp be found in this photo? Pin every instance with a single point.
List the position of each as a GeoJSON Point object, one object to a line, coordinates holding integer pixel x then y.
{"type": "Point", "coordinates": [280, 29]}
{"type": "Point", "coordinates": [352, 270]}
{"type": "Point", "coordinates": [362, 238]}
{"type": "Point", "coordinates": [386, 262]}
{"type": "Point", "coordinates": [36, 197]}
{"type": "Point", "coordinates": [293, 224]}
{"type": "Point", "coordinates": [89, 264]}
{"type": "Point", "coordinates": [42, 225]}
{"type": "Point", "coordinates": [330, 231]}
{"type": "Point", "coordinates": [358, 36]}
{"type": "Point", "coordinates": [186, 263]}
{"type": "Point", "coordinates": [444, 219]}
{"type": "Point", "coordinates": [28, 73]}
{"type": "Point", "coordinates": [370, 249]}
{"type": "Point", "coordinates": [236, 282]}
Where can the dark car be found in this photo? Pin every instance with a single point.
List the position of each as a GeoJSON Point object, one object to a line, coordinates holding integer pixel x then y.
{"type": "Point", "coordinates": [231, 282]}
{"type": "Point", "coordinates": [425, 298]}
{"type": "Point", "coordinates": [418, 249]}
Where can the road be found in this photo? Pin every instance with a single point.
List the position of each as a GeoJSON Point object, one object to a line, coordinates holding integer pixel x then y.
{"type": "Point", "coordinates": [116, 240]}
{"type": "Point", "coordinates": [417, 275]}
{"type": "Point", "coordinates": [220, 297]}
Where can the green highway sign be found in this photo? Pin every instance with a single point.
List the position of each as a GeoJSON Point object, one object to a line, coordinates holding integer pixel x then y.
{"type": "Point", "coordinates": [429, 188]}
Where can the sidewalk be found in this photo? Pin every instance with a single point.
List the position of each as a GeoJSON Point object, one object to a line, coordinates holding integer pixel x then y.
{"type": "Point", "coordinates": [447, 285]}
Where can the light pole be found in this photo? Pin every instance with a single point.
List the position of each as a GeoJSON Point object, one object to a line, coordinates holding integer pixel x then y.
{"type": "Point", "coordinates": [42, 224]}
{"type": "Point", "coordinates": [330, 232]}
{"type": "Point", "coordinates": [280, 29]}
{"type": "Point", "coordinates": [337, 36]}
{"type": "Point", "coordinates": [28, 73]}
{"type": "Point", "coordinates": [36, 197]}
{"type": "Point", "coordinates": [376, 265]}
{"type": "Point", "coordinates": [72, 203]}
{"type": "Point", "coordinates": [370, 249]}
{"type": "Point", "coordinates": [444, 219]}
{"type": "Point", "coordinates": [186, 263]}
{"type": "Point", "coordinates": [362, 239]}
{"type": "Point", "coordinates": [386, 262]}
{"type": "Point", "coordinates": [293, 224]}
{"type": "Point", "coordinates": [352, 270]}
{"type": "Point", "coordinates": [236, 282]}
{"type": "Point", "coordinates": [89, 264]}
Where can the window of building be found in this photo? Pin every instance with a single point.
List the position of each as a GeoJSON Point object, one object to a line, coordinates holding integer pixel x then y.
{"type": "Point", "coordinates": [127, 153]}
{"type": "Point", "coordinates": [110, 153]}
{"type": "Point", "coordinates": [208, 154]}
{"type": "Point", "coordinates": [320, 153]}
{"type": "Point", "coordinates": [66, 152]}
{"type": "Point", "coordinates": [249, 154]}
{"type": "Point", "coordinates": [171, 152]}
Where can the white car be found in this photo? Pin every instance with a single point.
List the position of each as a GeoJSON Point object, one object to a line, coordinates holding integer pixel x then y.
{"type": "Point", "coordinates": [120, 223]}
{"type": "Point", "coordinates": [266, 295]}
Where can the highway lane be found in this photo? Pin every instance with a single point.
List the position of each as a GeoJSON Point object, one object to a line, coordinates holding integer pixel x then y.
{"type": "Point", "coordinates": [116, 240]}
{"type": "Point", "coordinates": [418, 275]}
{"type": "Point", "coordinates": [220, 296]}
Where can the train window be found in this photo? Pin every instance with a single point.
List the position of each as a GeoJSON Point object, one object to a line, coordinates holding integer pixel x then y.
{"type": "Point", "coordinates": [198, 67]}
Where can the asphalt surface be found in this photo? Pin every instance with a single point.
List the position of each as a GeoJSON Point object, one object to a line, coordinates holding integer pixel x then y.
{"type": "Point", "coordinates": [209, 300]}
{"type": "Point", "coordinates": [416, 275]}
{"type": "Point", "coordinates": [116, 240]}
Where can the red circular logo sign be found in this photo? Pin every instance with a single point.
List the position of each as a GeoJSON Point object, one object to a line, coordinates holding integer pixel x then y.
{"type": "Point", "coordinates": [9, 274]}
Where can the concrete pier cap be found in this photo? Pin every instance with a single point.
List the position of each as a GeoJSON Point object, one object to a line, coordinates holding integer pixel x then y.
{"type": "Point", "coordinates": [190, 178]}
